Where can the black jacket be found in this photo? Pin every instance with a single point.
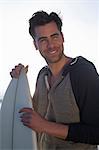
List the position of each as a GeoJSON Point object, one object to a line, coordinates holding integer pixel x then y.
{"type": "Point", "coordinates": [85, 85]}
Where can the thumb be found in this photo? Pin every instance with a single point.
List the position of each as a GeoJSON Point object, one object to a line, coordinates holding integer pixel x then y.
{"type": "Point", "coordinates": [26, 68]}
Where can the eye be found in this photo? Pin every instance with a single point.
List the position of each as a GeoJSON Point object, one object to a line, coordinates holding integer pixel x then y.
{"type": "Point", "coordinates": [56, 37]}
{"type": "Point", "coordinates": [42, 41]}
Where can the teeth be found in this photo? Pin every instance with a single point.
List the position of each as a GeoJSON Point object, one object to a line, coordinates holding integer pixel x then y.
{"type": "Point", "coordinates": [52, 52]}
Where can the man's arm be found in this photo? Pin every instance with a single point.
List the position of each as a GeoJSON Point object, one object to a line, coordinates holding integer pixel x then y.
{"type": "Point", "coordinates": [33, 120]}
{"type": "Point", "coordinates": [85, 84]}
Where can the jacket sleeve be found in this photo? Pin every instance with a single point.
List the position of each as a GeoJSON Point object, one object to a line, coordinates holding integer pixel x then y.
{"type": "Point", "coordinates": [85, 84]}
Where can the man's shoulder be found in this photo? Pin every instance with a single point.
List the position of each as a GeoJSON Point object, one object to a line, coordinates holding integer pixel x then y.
{"type": "Point", "coordinates": [81, 63]}
{"type": "Point", "coordinates": [82, 69]}
{"type": "Point", "coordinates": [78, 65]}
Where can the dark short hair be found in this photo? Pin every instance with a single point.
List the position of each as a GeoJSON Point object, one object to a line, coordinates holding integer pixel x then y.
{"type": "Point", "coordinates": [42, 18]}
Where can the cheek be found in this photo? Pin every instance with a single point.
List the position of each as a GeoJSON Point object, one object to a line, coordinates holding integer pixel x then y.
{"type": "Point", "coordinates": [42, 48]}
{"type": "Point", "coordinates": [58, 45]}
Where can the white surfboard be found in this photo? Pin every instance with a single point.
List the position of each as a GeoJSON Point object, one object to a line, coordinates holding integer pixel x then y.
{"type": "Point", "coordinates": [14, 135]}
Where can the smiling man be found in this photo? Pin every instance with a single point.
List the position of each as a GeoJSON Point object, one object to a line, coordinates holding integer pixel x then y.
{"type": "Point", "coordinates": [66, 98]}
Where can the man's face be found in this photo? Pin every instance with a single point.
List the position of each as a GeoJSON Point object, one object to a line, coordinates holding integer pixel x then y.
{"type": "Point", "coordinates": [49, 41]}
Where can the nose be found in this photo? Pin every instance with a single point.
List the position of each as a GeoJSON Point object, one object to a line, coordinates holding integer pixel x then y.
{"type": "Point", "coordinates": [50, 44]}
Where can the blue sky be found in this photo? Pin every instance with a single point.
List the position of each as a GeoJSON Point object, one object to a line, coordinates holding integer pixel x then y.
{"type": "Point", "coordinates": [80, 28]}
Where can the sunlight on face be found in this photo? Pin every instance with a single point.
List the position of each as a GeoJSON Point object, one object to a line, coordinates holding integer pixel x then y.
{"type": "Point", "coordinates": [49, 40]}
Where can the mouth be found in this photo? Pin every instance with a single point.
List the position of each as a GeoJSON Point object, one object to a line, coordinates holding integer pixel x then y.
{"type": "Point", "coordinates": [52, 52]}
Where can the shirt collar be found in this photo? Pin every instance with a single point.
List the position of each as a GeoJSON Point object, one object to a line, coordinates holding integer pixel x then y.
{"type": "Point", "coordinates": [65, 69]}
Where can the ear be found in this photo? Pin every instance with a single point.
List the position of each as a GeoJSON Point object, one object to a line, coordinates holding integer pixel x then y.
{"type": "Point", "coordinates": [34, 42]}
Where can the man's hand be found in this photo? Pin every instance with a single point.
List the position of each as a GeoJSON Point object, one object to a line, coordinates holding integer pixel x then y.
{"type": "Point", "coordinates": [16, 70]}
{"type": "Point", "coordinates": [33, 120]}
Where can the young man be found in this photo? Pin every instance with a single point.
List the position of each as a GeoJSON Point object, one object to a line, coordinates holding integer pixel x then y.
{"type": "Point", "coordinates": [66, 98]}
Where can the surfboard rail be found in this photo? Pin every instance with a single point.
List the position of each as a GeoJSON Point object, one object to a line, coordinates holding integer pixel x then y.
{"type": "Point", "coordinates": [14, 135]}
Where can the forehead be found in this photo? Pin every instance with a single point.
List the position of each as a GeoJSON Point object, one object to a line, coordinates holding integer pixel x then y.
{"type": "Point", "coordinates": [46, 30]}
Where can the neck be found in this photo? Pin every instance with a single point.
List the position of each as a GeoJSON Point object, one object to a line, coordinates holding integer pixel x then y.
{"type": "Point", "coordinates": [57, 67]}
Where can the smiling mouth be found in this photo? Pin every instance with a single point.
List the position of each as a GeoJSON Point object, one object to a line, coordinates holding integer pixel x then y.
{"type": "Point", "coordinates": [52, 52]}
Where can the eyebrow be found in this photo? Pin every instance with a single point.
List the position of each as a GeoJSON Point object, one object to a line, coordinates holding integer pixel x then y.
{"type": "Point", "coordinates": [54, 34]}
{"type": "Point", "coordinates": [44, 37]}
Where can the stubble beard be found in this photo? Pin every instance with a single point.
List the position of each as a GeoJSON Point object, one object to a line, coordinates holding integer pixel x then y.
{"type": "Point", "coordinates": [54, 60]}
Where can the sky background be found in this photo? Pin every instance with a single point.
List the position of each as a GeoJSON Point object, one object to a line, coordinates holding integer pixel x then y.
{"type": "Point", "coordinates": [80, 28]}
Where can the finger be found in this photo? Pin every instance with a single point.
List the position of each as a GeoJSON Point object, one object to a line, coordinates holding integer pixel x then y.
{"type": "Point", "coordinates": [26, 115]}
{"type": "Point", "coordinates": [25, 120]}
{"type": "Point", "coordinates": [27, 124]}
{"type": "Point", "coordinates": [21, 65]}
{"type": "Point", "coordinates": [18, 69]}
{"type": "Point", "coordinates": [14, 74]}
{"type": "Point", "coordinates": [25, 109]}
{"type": "Point", "coordinates": [11, 74]}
